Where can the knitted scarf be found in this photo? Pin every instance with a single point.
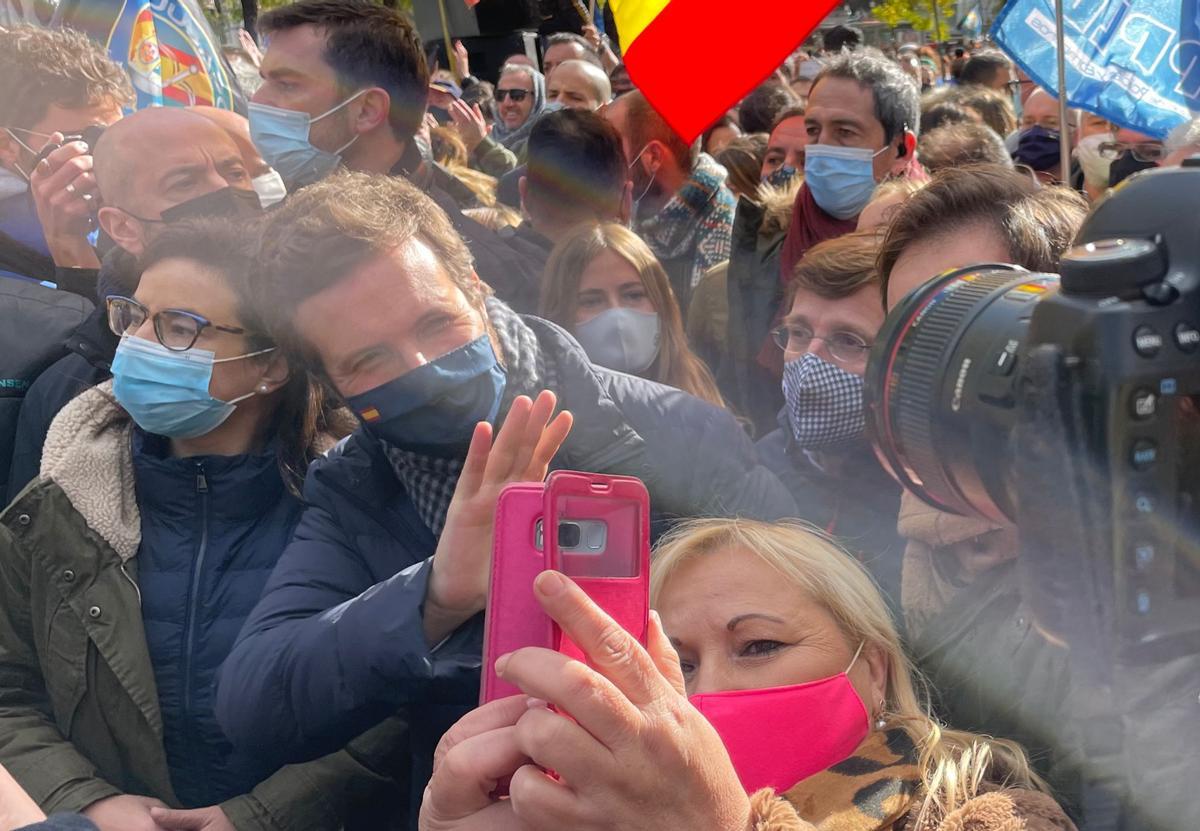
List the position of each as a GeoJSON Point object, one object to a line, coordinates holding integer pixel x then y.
{"type": "Point", "coordinates": [430, 480]}
{"type": "Point", "coordinates": [697, 221]}
{"type": "Point", "coordinates": [870, 791]}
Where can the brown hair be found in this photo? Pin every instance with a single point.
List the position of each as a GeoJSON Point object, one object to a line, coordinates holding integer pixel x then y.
{"type": "Point", "coordinates": [676, 365]}
{"type": "Point", "coordinates": [838, 267]}
{"type": "Point", "coordinates": [997, 110]}
{"type": "Point", "coordinates": [306, 421]}
{"type": "Point", "coordinates": [743, 158]}
{"type": "Point", "coordinates": [1036, 224]}
{"type": "Point", "coordinates": [43, 67]}
{"type": "Point", "coordinates": [449, 151]}
{"type": "Point", "coordinates": [366, 45]}
{"type": "Point", "coordinates": [955, 145]}
{"type": "Point", "coordinates": [321, 233]}
{"type": "Point", "coordinates": [646, 125]}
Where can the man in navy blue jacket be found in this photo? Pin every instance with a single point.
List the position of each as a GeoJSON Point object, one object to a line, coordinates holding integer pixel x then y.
{"type": "Point", "coordinates": [375, 605]}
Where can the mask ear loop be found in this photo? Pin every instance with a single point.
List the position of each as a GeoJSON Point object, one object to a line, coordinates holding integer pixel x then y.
{"type": "Point", "coordinates": [853, 660]}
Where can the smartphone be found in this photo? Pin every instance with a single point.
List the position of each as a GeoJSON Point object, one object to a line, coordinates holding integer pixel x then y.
{"type": "Point", "coordinates": [591, 527]}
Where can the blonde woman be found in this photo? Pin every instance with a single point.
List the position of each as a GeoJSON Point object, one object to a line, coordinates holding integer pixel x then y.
{"type": "Point", "coordinates": [781, 649]}
{"type": "Point", "coordinates": [604, 285]}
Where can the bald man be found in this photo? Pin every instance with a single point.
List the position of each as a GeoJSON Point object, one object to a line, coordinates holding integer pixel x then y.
{"type": "Point", "coordinates": [153, 167]}
{"type": "Point", "coordinates": [578, 85]}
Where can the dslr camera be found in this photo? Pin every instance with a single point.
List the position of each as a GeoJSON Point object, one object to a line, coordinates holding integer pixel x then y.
{"type": "Point", "coordinates": [1068, 406]}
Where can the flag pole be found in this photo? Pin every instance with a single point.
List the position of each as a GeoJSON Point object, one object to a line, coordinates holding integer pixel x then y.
{"type": "Point", "coordinates": [1064, 131]}
{"type": "Point", "coordinates": [446, 37]}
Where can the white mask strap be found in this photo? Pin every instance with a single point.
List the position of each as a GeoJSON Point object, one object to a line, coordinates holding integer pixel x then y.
{"type": "Point", "coordinates": [242, 357]}
{"type": "Point", "coordinates": [857, 652]}
{"type": "Point", "coordinates": [336, 108]}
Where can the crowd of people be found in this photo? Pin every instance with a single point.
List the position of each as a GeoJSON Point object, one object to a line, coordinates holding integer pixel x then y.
{"type": "Point", "coordinates": [263, 379]}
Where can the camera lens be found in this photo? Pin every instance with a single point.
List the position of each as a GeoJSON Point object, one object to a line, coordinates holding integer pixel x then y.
{"type": "Point", "coordinates": [940, 386]}
{"type": "Point", "coordinates": [569, 535]}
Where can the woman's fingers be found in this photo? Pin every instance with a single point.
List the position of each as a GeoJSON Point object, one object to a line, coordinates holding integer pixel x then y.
{"type": "Point", "coordinates": [576, 689]}
{"type": "Point", "coordinates": [557, 743]}
{"type": "Point", "coordinates": [535, 428]}
{"type": "Point", "coordinates": [665, 658]}
{"type": "Point", "coordinates": [468, 774]}
{"type": "Point", "coordinates": [614, 653]}
{"type": "Point", "coordinates": [505, 712]}
{"type": "Point", "coordinates": [540, 802]}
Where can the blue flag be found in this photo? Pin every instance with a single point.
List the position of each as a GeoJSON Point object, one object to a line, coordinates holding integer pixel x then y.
{"type": "Point", "coordinates": [1135, 62]}
{"type": "Point", "coordinates": [167, 46]}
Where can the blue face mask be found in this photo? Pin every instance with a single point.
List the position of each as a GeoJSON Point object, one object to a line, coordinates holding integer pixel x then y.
{"type": "Point", "coordinates": [840, 179]}
{"type": "Point", "coordinates": [282, 138]}
{"type": "Point", "coordinates": [166, 392]}
{"type": "Point", "coordinates": [436, 406]}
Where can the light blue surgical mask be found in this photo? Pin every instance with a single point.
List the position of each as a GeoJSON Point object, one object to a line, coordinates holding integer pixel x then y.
{"type": "Point", "coordinates": [166, 392]}
{"type": "Point", "coordinates": [622, 339]}
{"type": "Point", "coordinates": [840, 179]}
{"type": "Point", "coordinates": [281, 136]}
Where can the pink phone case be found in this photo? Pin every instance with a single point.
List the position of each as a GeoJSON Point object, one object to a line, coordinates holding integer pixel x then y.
{"type": "Point", "coordinates": [617, 577]}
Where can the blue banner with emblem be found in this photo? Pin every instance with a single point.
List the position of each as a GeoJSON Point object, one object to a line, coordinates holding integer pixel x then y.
{"type": "Point", "coordinates": [170, 51]}
{"type": "Point", "coordinates": [1135, 62]}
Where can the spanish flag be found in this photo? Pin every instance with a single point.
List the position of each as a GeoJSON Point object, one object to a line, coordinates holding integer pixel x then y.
{"type": "Point", "coordinates": [737, 42]}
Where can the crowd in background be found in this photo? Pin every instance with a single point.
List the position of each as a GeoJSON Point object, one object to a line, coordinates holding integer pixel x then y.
{"type": "Point", "coordinates": [263, 378]}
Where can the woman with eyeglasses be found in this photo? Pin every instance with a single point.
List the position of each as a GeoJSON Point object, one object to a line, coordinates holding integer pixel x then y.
{"type": "Point", "coordinates": [820, 451]}
{"type": "Point", "coordinates": [127, 569]}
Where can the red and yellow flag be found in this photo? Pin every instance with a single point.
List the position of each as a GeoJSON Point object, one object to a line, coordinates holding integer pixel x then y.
{"type": "Point", "coordinates": [737, 44]}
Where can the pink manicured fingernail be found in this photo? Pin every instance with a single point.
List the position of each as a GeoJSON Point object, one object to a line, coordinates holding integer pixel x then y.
{"type": "Point", "coordinates": [551, 583]}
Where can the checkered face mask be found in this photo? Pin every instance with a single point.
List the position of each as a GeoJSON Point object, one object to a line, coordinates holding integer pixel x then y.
{"type": "Point", "coordinates": [824, 402]}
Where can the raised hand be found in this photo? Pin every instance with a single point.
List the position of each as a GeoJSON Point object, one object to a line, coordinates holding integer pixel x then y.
{"type": "Point", "coordinates": [636, 756]}
{"type": "Point", "coordinates": [64, 193]}
{"type": "Point", "coordinates": [462, 61]}
{"type": "Point", "coordinates": [469, 122]}
{"type": "Point", "coordinates": [530, 437]}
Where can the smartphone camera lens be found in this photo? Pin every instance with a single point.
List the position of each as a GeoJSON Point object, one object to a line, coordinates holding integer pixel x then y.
{"type": "Point", "coordinates": [569, 535]}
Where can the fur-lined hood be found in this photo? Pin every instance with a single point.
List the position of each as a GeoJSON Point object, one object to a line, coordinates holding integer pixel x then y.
{"type": "Point", "coordinates": [777, 206]}
{"type": "Point", "coordinates": [88, 455]}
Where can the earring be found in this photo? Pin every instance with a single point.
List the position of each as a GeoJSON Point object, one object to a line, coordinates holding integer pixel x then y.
{"type": "Point", "coordinates": [264, 389]}
{"type": "Point", "coordinates": [880, 721]}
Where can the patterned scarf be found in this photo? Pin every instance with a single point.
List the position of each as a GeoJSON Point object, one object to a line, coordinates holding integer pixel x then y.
{"type": "Point", "coordinates": [430, 480]}
{"type": "Point", "coordinates": [698, 220]}
{"type": "Point", "coordinates": [871, 791]}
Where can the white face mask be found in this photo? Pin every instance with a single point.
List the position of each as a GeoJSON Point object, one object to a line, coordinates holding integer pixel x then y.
{"type": "Point", "coordinates": [270, 188]}
{"type": "Point", "coordinates": [622, 339]}
{"type": "Point", "coordinates": [1095, 167]}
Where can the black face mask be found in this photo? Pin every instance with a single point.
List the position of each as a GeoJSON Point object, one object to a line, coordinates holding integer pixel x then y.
{"type": "Point", "coordinates": [227, 202]}
{"type": "Point", "coordinates": [1124, 166]}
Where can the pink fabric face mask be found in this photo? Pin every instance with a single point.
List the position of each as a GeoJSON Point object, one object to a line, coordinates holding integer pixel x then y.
{"type": "Point", "coordinates": [779, 736]}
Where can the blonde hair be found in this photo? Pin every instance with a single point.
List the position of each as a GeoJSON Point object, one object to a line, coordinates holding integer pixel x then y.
{"type": "Point", "coordinates": [676, 365]}
{"type": "Point", "coordinates": [450, 152]}
{"type": "Point", "coordinates": [954, 764]}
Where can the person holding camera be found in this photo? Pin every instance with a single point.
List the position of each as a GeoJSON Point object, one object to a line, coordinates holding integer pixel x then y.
{"type": "Point", "coordinates": [773, 694]}
{"type": "Point", "coordinates": [969, 628]}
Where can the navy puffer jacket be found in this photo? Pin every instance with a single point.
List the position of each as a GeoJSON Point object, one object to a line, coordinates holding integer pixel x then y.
{"type": "Point", "coordinates": [337, 644]}
{"type": "Point", "coordinates": [212, 530]}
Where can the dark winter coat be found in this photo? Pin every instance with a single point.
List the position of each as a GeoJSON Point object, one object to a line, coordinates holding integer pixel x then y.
{"type": "Point", "coordinates": [107, 651]}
